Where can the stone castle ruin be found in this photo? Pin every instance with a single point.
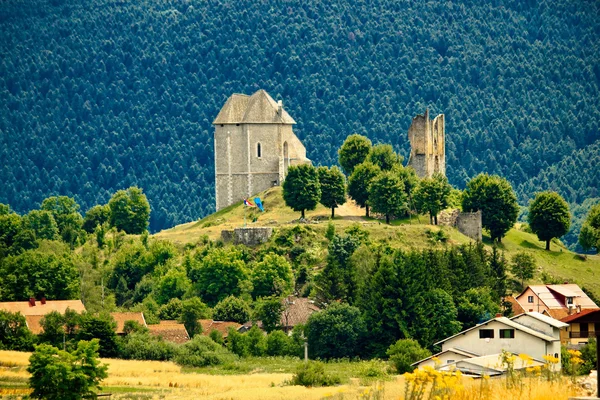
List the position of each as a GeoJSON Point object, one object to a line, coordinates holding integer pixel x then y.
{"type": "Point", "coordinates": [427, 145]}
{"type": "Point", "coordinates": [254, 146]}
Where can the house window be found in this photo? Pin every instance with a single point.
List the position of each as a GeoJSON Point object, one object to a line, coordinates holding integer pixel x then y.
{"type": "Point", "coordinates": [486, 334]}
{"type": "Point", "coordinates": [507, 333]}
{"type": "Point", "coordinates": [530, 299]}
{"type": "Point", "coordinates": [569, 301]}
{"type": "Point", "coordinates": [258, 150]}
{"type": "Point", "coordinates": [449, 361]}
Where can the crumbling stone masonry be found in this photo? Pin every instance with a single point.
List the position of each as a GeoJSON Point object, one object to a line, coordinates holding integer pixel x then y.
{"type": "Point", "coordinates": [427, 145]}
{"type": "Point", "coordinates": [249, 236]}
{"type": "Point", "coordinates": [467, 223]}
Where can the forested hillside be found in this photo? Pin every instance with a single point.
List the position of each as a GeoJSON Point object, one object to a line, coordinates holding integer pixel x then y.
{"type": "Point", "coordinates": [99, 95]}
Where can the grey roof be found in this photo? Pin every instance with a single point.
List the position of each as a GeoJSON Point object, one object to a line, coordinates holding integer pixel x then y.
{"type": "Point", "coordinates": [454, 350]}
{"type": "Point", "coordinates": [508, 322]}
{"type": "Point", "coordinates": [260, 108]}
{"type": "Point", "coordinates": [544, 318]}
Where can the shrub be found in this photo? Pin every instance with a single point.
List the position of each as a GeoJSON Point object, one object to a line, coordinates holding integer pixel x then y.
{"type": "Point", "coordinates": [14, 334]}
{"type": "Point", "coordinates": [232, 309]}
{"type": "Point", "coordinates": [60, 375]}
{"type": "Point", "coordinates": [237, 343]}
{"type": "Point", "coordinates": [278, 344]}
{"type": "Point", "coordinates": [589, 354]}
{"type": "Point", "coordinates": [216, 337]}
{"type": "Point", "coordinates": [171, 310]}
{"type": "Point", "coordinates": [405, 352]}
{"type": "Point", "coordinates": [142, 346]}
{"type": "Point", "coordinates": [313, 374]}
{"type": "Point", "coordinates": [255, 338]}
{"type": "Point", "coordinates": [201, 351]}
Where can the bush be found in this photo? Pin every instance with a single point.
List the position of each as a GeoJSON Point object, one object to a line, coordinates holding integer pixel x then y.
{"type": "Point", "coordinates": [405, 352]}
{"type": "Point", "coordinates": [312, 374]}
{"type": "Point", "coordinates": [237, 343]}
{"type": "Point", "coordinates": [278, 344]}
{"type": "Point", "coordinates": [588, 354]}
{"type": "Point", "coordinates": [201, 351]}
{"type": "Point", "coordinates": [60, 375]}
{"type": "Point", "coordinates": [142, 346]}
{"type": "Point", "coordinates": [232, 309]}
{"type": "Point", "coordinates": [14, 334]}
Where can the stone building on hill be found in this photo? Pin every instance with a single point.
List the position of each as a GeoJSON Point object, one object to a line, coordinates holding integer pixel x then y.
{"type": "Point", "coordinates": [254, 146]}
{"type": "Point", "coordinates": [427, 145]}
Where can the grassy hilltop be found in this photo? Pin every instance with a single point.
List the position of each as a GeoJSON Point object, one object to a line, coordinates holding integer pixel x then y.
{"type": "Point", "coordinates": [559, 263]}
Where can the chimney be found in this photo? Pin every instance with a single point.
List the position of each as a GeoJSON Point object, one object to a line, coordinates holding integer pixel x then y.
{"type": "Point", "coordinates": [43, 300]}
{"type": "Point", "coordinates": [32, 302]}
{"type": "Point", "coordinates": [570, 310]}
{"type": "Point", "coordinates": [499, 315]}
{"type": "Point", "coordinates": [578, 308]}
{"type": "Point", "coordinates": [565, 282]}
{"type": "Point", "coordinates": [279, 106]}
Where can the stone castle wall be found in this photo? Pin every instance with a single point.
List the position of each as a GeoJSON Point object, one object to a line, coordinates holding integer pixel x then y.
{"type": "Point", "coordinates": [249, 236]}
{"type": "Point", "coordinates": [467, 223]}
{"type": "Point", "coordinates": [427, 145]}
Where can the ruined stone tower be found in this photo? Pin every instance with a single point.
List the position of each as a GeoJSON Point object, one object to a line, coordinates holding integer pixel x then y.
{"type": "Point", "coordinates": [254, 146]}
{"type": "Point", "coordinates": [427, 145]}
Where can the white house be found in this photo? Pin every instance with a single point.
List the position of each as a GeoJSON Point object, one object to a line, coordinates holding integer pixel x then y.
{"type": "Point", "coordinates": [477, 350]}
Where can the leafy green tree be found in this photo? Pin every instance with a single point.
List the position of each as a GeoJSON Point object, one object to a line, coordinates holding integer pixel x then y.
{"type": "Point", "coordinates": [360, 182]}
{"type": "Point", "coordinates": [201, 351]}
{"type": "Point", "coordinates": [475, 306]}
{"type": "Point", "coordinates": [336, 332]}
{"type": "Point", "coordinates": [431, 196]}
{"type": "Point", "coordinates": [4, 209]}
{"type": "Point", "coordinates": [62, 375]}
{"type": "Point", "coordinates": [589, 237]}
{"type": "Point", "coordinates": [10, 227]}
{"type": "Point", "coordinates": [14, 333]}
{"type": "Point", "coordinates": [171, 310]}
{"type": "Point", "coordinates": [333, 188]}
{"type": "Point", "coordinates": [278, 344]}
{"type": "Point", "coordinates": [96, 216]}
{"type": "Point", "coordinates": [101, 327]}
{"type": "Point", "coordinates": [173, 284]}
{"type": "Point", "coordinates": [337, 280]}
{"type": "Point", "coordinates": [257, 342]}
{"type": "Point", "coordinates": [496, 199]}
{"type": "Point", "coordinates": [301, 189]}
{"type": "Point", "coordinates": [42, 223]}
{"type": "Point", "coordinates": [219, 275]}
{"type": "Point", "coordinates": [549, 216]}
{"type": "Point", "coordinates": [268, 310]}
{"type": "Point", "coordinates": [232, 309]}
{"type": "Point", "coordinates": [387, 196]}
{"type": "Point", "coordinates": [237, 343]}
{"type": "Point", "coordinates": [66, 214]}
{"type": "Point", "coordinates": [129, 210]}
{"type": "Point", "coordinates": [523, 267]}
{"type": "Point", "coordinates": [272, 276]}
{"type": "Point", "coordinates": [384, 156]}
{"type": "Point", "coordinates": [353, 152]}
{"type": "Point", "coordinates": [405, 352]}
{"type": "Point", "coordinates": [53, 325]}
{"type": "Point", "coordinates": [193, 310]}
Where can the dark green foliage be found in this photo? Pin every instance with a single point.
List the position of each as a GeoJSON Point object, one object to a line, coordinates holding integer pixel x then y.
{"type": "Point", "coordinates": [360, 182]}
{"type": "Point", "coordinates": [272, 276]}
{"type": "Point", "coordinates": [384, 156]}
{"type": "Point", "coordinates": [387, 195]}
{"type": "Point", "coordinates": [337, 280]}
{"type": "Point", "coordinates": [129, 210]}
{"type": "Point", "coordinates": [436, 319]}
{"type": "Point", "coordinates": [353, 152]}
{"type": "Point", "coordinates": [312, 374]}
{"type": "Point", "coordinates": [268, 311]}
{"type": "Point", "coordinates": [217, 337]}
{"type": "Point", "coordinates": [589, 238]}
{"type": "Point", "coordinates": [549, 216]}
{"type": "Point", "coordinates": [335, 332]}
{"type": "Point", "coordinates": [61, 375]}
{"type": "Point", "coordinates": [232, 309]}
{"type": "Point", "coordinates": [201, 351]}
{"type": "Point", "coordinates": [143, 346]}
{"type": "Point", "coordinates": [498, 267]}
{"type": "Point", "coordinates": [101, 327]}
{"type": "Point", "coordinates": [237, 343]}
{"type": "Point", "coordinates": [405, 352]}
{"type": "Point", "coordinates": [219, 275]}
{"type": "Point", "coordinates": [476, 306]}
{"type": "Point", "coordinates": [301, 189]}
{"type": "Point", "coordinates": [42, 223]}
{"type": "Point", "coordinates": [96, 216]}
{"type": "Point", "coordinates": [431, 196]}
{"type": "Point", "coordinates": [66, 214]}
{"type": "Point", "coordinates": [523, 267]}
{"type": "Point", "coordinates": [10, 226]}
{"type": "Point", "coordinates": [173, 284]}
{"type": "Point", "coordinates": [53, 329]}
{"type": "Point", "coordinates": [192, 310]}
{"type": "Point", "coordinates": [589, 354]}
{"type": "Point", "coordinates": [278, 344]}
{"type": "Point", "coordinates": [49, 272]}
{"type": "Point", "coordinates": [171, 310]}
{"type": "Point", "coordinates": [333, 187]}
{"type": "Point", "coordinates": [256, 341]}
{"type": "Point", "coordinates": [14, 333]}
{"type": "Point", "coordinates": [496, 199]}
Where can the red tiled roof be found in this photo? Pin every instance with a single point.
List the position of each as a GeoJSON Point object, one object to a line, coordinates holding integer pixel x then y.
{"type": "Point", "coordinates": [576, 316]}
{"type": "Point", "coordinates": [208, 325]}
{"type": "Point", "coordinates": [516, 306]}
{"type": "Point", "coordinates": [122, 317]}
{"type": "Point", "coordinates": [558, 314]}
{"type": "Point", "coordinates": [171, 331]}
{"type": "Point", "coordinates": [33, 323]}
{"type": "Point", "coordinates": [25, 308]}
{"type": "Point", "coordinates": [297, 310]}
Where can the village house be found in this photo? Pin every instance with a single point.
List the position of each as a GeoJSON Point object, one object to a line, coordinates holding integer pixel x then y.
{"type": "Point", "coordinates": [170, 331]}
{"type": "Point", "coordinates": [478, 350]}
{"type": "Point", "coordinates": [34, 311]}
{"type": "Point", "coordinates": [580, 327]}
{"type": "Point", "coordinates": [296, 310]}
{"type": "Point", "coordinates": [557, 301]}
{"type": "Point", "coordinates": [209, 325]}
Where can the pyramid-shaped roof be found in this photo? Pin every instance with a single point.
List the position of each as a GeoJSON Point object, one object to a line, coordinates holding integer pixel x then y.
{"type": "Point", "coordinates": [260, 108]}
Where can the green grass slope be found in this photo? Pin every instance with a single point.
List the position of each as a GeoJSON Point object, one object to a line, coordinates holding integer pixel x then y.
{"type": "Point", "coordinates": [559, 263]}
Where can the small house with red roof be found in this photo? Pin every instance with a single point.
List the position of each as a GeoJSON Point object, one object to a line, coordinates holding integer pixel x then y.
{"type": "Point", "coordinates": [582, 326]}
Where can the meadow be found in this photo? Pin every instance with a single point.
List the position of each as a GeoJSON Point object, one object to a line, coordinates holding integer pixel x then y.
{"type": "Point", "coordinates": [267, 380]}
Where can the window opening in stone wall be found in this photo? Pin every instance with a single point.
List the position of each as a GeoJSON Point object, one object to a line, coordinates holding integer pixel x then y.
{"type": "Point", "coordinates": [258, 151]}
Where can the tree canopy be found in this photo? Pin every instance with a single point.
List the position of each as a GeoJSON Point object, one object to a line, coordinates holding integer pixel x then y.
{"type": "Point", "coordinates": [129, 210]}
{"type": "Point", "coordinates": [387, 196]}
{"type": "Point", "coordinates": [549, 216]}
{"type": "Point", "coordinates": [333, 187]}
{"type": "Point", "coordinates": [301, 189]}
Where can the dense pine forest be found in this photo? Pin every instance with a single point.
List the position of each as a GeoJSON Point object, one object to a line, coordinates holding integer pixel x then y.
{"type": "Point", "coordinates": [100, 95]}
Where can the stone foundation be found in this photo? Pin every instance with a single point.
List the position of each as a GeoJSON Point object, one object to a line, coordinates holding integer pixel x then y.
{"type": "Point", "coordinates": [467, 223]}
{"type": "Point", "coordinates": [249, 236]}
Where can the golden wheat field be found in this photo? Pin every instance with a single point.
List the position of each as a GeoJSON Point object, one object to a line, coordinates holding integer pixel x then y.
{"type": "Point", "coordinates": [165, 380]}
